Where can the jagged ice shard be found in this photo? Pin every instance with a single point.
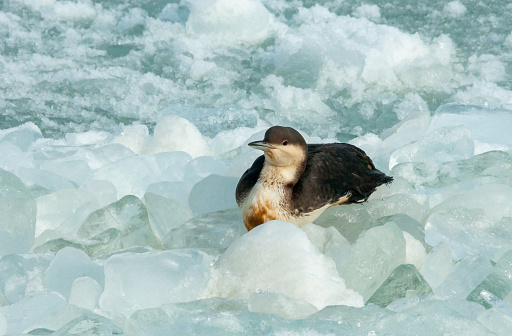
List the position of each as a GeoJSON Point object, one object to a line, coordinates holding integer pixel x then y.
{"type": "Point", "coordinates": [123, 132]}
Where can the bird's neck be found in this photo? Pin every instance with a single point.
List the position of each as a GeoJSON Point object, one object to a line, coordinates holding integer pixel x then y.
{"type": "Point", "coordinates": [280, 177]}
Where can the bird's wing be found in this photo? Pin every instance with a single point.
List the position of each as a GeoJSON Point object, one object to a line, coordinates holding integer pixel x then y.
{"type": "Point", "coordinates": [248, 180]}
{"type": "Point", "coordinates": [331, 171]}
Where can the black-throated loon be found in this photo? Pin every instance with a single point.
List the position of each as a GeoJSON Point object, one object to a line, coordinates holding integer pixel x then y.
{"type": "Point", "coordinates": [295, 182]}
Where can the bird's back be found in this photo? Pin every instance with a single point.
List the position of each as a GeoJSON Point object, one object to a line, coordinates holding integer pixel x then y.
{"type": "Point", "coordinates": [331, 171]}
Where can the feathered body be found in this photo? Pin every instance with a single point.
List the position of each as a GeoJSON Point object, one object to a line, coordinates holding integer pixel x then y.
{"type": "Point", "coordinates": [295, 182]}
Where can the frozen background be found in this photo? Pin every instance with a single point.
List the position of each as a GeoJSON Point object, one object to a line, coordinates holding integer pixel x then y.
{"type": "Point", "coordinates": [124, 127]}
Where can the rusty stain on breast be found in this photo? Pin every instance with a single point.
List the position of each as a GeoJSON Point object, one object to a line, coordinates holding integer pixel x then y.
{"type": "Point", "coordinates": [258, 214]}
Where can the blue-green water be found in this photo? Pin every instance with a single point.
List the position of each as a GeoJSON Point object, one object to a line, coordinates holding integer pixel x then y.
{"type": "Point", "coordinates": [123, 134]}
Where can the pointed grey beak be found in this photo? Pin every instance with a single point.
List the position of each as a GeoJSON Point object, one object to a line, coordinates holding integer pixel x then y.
{"type": "Point", "coordinates": [261, 145]}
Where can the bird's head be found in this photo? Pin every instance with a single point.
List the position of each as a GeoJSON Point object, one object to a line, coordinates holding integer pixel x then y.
{"type": "Point", "coordinates": [282, 146]}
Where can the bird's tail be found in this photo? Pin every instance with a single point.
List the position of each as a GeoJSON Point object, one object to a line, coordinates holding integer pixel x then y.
{"type": "Point", "coordinates": [387, 179]}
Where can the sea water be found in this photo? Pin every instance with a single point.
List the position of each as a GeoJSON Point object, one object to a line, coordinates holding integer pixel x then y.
{"type": "Point", "coordinates": [124, 130]}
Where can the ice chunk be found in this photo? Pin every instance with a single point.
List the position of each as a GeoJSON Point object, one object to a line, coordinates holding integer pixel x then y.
{"type": "Point", "coordinates": [374, 256]}
{"type": "Point", "coordinates": [173, 133]}
{"type": "Point", "coordinates": [130, 175]}
{"type": "Point", "coordinates": [229, 21]}
{"type": "Point", "coordinates": [213, 193]}
{"type": "Point", "coordinates": [487, 125]}
{"type": "Point", "coordinates": [441, 145]}
{"type": "Point", "coordinates": [57, 319]}
{"type": "Point", "coordinates": [76, 171]}
{"type": "Point", "coordinates": [349, 220]}
{"type": "Point", "coordinates": [437, 265]}
{"type": "Point", "coordinates": [496, 321]}
{"type": "Point", "coordinates": [491, 166]}
{"type": "Point", "coordinates": [17, 224]}
{"type": "Point", "coordinates": [172, 164]}
{"type": "Point", "coordinates": [137, 281]}
{"type": "Point", "coordinates": [469, 231]}
{"type": "Point", "coordinates": [279, 304]}
{"type": "Point", "coordinates": [134, 137]}
{"type": "Point", "coordinates": [498, 282]}
{"type": "Point", "coordinates": [454, 9]}
{"type": "Point", "coordinates": [29, 311]}
{"type": "Point", "coordinates": [466, 275]}
{"type": "Point", "coordinates": [68, 265]}
{"type": "Point", "coordinates": [64, 210]}
{"type": "Point", "coordinates": [89, 323]}
{"type": "Point", "coordinates": [435, 317]}
{"type": "Point", "coordinates": [43, 178]}
{"type": "Point", "coordinates": [331, 243]}
{"type": "Point", "coordinates": [212, 316]}
{"type": "Point", "coordinates": [408, 225]}
{"type": "Point", "coordinates": [404, 281]}
{"type": "Point", "coordinates": [104, 191]}
{"type": "Point", "coordinates": [413, 205]}
{"type": "Point", "coordinates": [415, 253]}
{"type": "Point", "coordinates": [177, 190]}
{"type": "Point", "coordinates": [212, 233]}
{"type": "Point", "coordinates": [371, 12]}
{"type": "Point", "coordinates": [165, 214]}
{"type": "Point", "coordinates": [203, 166]}
{"type": "Point", "coordinates": [21, 276]}
{"type": "Point", "coordinates": [128, 216]}
{"type": "Point", "coordinates": [85, 293]}
{"type": "Point", "coordinates": [252, 262]}
{"type": "Point", "coordinates": [492, 197]}
{"type": "Point", "coordinates": [14, 158]}
{"type": "Point", "coordinates": [368, 316]}
{"type": "Point", "coordinates": [22, 136]}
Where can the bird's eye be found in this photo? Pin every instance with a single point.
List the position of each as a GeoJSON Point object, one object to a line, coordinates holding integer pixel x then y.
{"type": "Point", "coordinates": [285, 142]}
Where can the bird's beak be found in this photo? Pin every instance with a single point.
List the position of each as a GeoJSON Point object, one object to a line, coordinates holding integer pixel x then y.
{"type": "Point", "coordinates": [261, 145]}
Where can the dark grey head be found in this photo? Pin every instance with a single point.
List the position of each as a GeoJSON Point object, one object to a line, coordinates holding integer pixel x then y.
{"type": "Point", "coordinates": [283, 146]}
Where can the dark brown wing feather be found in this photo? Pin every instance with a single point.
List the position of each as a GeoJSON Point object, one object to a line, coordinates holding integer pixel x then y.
{"type": "Point", "coordinates": [249, 179]}
{"type": "Point", "coordinates": [331, 171]}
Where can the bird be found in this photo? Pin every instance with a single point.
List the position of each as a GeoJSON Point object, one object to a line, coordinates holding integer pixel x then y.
{"type": "Point", "coordinates": [296, 182]}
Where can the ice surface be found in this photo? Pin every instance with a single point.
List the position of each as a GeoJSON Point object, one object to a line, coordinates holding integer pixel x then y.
{"type": "Point", "coordinates": [441, 145]}
{"type": "Point", "coordinates": [386, 246]}
{"type": "Point", "coordinates": [68, 265]}
{"type": "Point", "coordinates": [89, 324]}
{"type": "Point", "coordinates": [455, 9]}
{"type": "Point", "coordinates": [85, 293]}
{"type": "Point", "coordinates": [213, 193]}
{"type": "Point", "coordinates": [415, 252]}
{"type": "Point", "coordinates": [466, 275]}
{"type": "Point", "coordinates": [212, 233]}
{"type": "Point", "coordinates": [130, 175]}
{"type": "Point", "coordinates": [31, 310]}
{"type": "Point", "coordinates": [64, 210]}
{"type": "Point", "coordinates": [128, 216]}
{"type": "Point", "coordinates": [405, 280]}
{"type": "Point", "coordinates": [470, 232]}
{"type": "Point", "coordinates": [279, 304]}
{"type": "Point", "coordinates": [498, 282]}
{"type": "Point", "coordinates": [21, 275]}
{"type": "Point", "coordinates": [136, 281]}
{"type": "Point", "coordinates": [252, 262]}
{"type": "Point", "coordinates": [173, 133]}
{"type": "Point", "coordinates": [229, 21]}
{"type": "Point", "coordinates": [438, 264]}
{"type": "Point", "coordinates": [331, 243]}
{"type": "Point", "coordinates": [17, 224]}
{"type": "Point", "coordinates": [350, 220]}
{"type": "Point", "coordinates": [165, 214]}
